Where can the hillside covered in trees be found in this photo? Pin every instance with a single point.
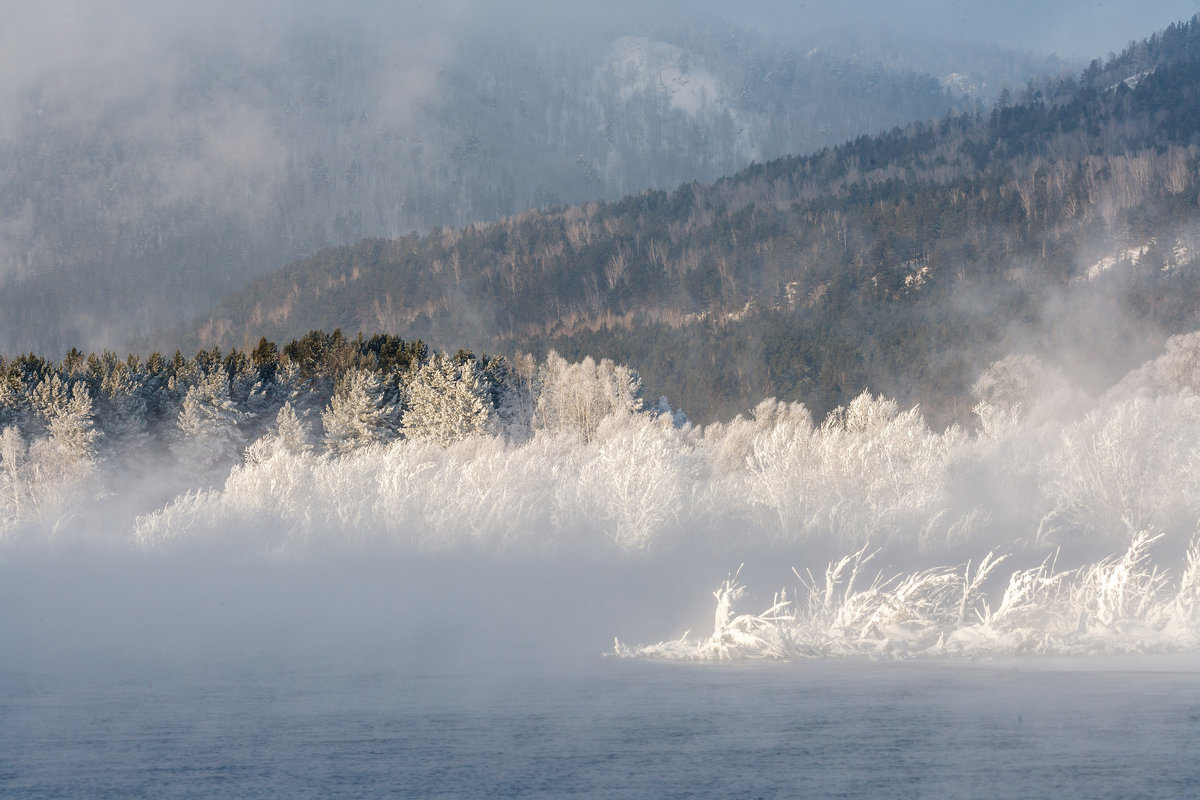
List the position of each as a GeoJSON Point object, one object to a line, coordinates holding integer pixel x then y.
{"type": "Point", "coordinates": [902, 262]}
{"type": "Point", "coordinates": [165, 177]}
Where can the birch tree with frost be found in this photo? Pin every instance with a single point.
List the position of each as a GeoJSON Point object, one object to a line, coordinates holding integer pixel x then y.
{"type": "Point", "coordinates": [578, 396]}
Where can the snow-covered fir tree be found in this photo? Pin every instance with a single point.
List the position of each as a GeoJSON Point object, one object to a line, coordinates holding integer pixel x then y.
{"type": "Point", "coordinates": [512, 389]}
{"type": "Point", "coordinates": [359, 414]}
{"type": "Point", "coordinates": [288, 435]}
{"type": "Point", "coordinates": [448, 399]}
{"type": "Point", "coordinates": [122, 405]}
{"type": "Point", "coordinates": [208, 427]}
{"type": "Point", "coordinates": [66, 412]}
{"type": "Point", "coordinates": [12, 489]}
{"type": "Point", "coordinates": [290, 431]}
{"type": "Point", "coordinates": [49, 481]}
{"type": "Point", "coordinates": [10, 401]}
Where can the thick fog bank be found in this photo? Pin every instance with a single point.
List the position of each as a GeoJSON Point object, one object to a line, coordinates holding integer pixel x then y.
{"type": "Point", "coordinates": [465, 614]}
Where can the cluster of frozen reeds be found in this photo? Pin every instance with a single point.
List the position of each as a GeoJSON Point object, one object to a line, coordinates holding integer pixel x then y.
{"type": "Point", "coordinates": [1120, 604]}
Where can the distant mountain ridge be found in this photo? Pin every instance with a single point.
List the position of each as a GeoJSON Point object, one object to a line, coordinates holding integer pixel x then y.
{"type": "Point", "coordinates": [897, 262]}
{"type": "Point", "coordinates": [169, 185]}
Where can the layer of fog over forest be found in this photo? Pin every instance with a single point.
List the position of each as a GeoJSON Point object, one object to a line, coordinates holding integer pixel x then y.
{"type": "Point", "coordinates": [1062, 521]}
{"type": "Point", "coordinates": [158, 156]}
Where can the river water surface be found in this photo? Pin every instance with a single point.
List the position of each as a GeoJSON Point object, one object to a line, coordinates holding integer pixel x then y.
{"type": "Point", "coordinates": [322, 726]}
{"type": "Point", "coordinates": [481, 678]}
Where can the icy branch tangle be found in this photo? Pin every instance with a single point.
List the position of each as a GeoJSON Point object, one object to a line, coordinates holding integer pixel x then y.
{"type": "Point", "coordinates": [435, 453]}
{"type": "Point", "coordinates": [1120, 604]}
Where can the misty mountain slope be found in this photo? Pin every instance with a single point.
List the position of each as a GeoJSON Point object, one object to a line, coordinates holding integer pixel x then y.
{"type": "Point", "coordinates": [145, 181]}
{"type": "Point", "coordinates": [902, 262]}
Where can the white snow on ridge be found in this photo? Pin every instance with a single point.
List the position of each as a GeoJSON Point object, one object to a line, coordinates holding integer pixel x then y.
{"type": "Point", "coordinates": [1132, 81]}
{"type": "Point", "coordinates": [643, 64]}
{"type": "Point", "coordinates": [1132, 255]}
{"type": "Point", "coordinates": [1182, 254]}
{"type": "Point", "coordinates": [961, 84]}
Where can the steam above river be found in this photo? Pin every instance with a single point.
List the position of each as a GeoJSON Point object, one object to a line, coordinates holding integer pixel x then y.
{"type": "Point", "coordinates": [1070, 518]}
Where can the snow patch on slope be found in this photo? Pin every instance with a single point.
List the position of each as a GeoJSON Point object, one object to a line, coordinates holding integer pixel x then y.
{"type": "Point", "coordinates": [643, 64]}
{"type": "Point", "coordinates": [1130, 256]}
{"type": "Point", "coordinates": [1132, 81]}
{"type": "Point", "coordinates": [1182, 253]}
{"type": "Point", "coordinates": [963, 85]}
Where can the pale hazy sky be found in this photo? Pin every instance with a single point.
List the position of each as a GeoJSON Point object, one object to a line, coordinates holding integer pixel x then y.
{"type": "Point", "coordinates": [1072, 28]}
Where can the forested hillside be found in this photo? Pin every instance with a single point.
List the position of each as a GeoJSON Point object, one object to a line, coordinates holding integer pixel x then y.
{"type": "Point", "coordinates": [902, 262]}
{"type": "Point", "coordinates": [147, 186]}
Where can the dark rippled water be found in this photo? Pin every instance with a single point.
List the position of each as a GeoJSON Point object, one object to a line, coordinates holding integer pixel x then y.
{"type": "Point", "coordinates": [318, 727]}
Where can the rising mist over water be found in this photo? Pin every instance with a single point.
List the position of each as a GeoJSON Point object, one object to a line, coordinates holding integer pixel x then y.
{"type": "Point", "coordinates": [1058, 522]}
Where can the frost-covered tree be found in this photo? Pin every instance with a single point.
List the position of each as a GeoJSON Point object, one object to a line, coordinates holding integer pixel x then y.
{"type": "Point", "coordinates": [288, 435]}
{"type": "Point", "coordinates": [10, 401]}
{"type": "Point", "coordinates": [66, 413]}
{"type": "Point", "coordinates": [209, 434]}
{"type": "Point", "coordinates": [12, 490]}
{"type": "Point", "coordinates": [1176, 370]}
{"type": "Point", "coordinates": [1125, 468]}
{"type": "Point", "coordinates": [578, 396]}
{"type": "Point", "coordinates": [18, 380]}
{"type": "Point", "coordinates": [290, 431]}
{"type": "Point", "coordinates": [48, 482]}
{"type": "Point", "coordinates": [637, 478]}
{"type": "Point", "coordinates": [447, 400]}
{"type": "Point", "coordinates": [781, 464]}
{"type": "Point", "coordinates": [73, 429]}
{"type": "Point", "coordinates": [511, 386]}
{"type": "Point", "coordinates": [252, 386]}
{"type": "Point", "coordinates": [122, 403]}
{"type": "Point", "coordinates": [1023, 386]}
{"type": "Point", "coordinates": [882, 466]}
{"type": "Point", "coordinates": [359, 414]}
